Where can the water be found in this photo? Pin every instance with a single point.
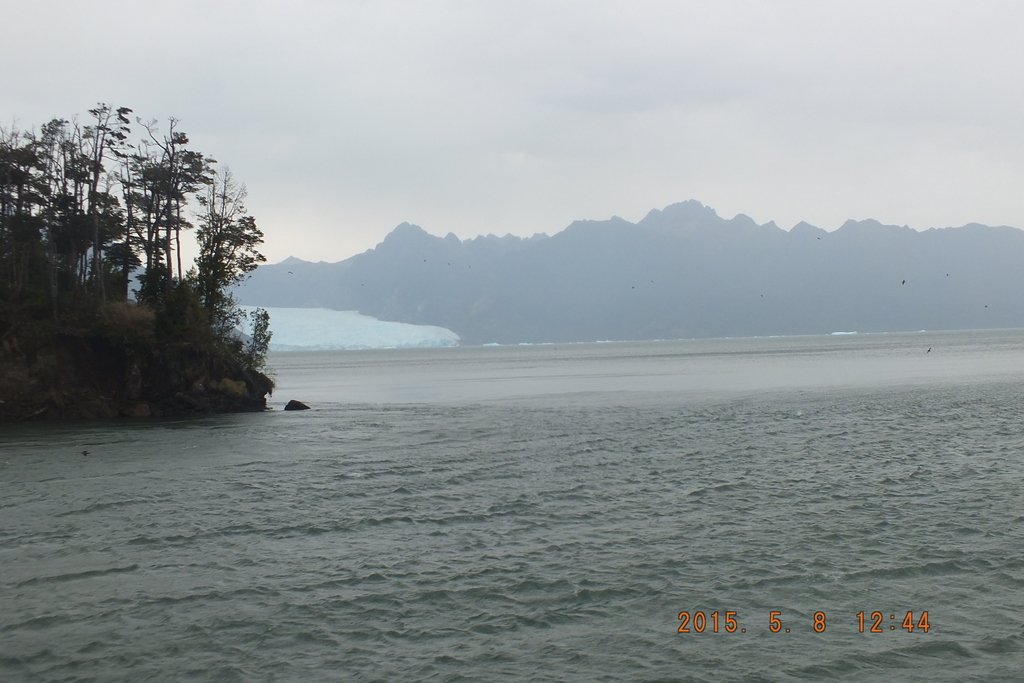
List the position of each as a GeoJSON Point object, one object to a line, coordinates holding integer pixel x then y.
{"type": "Point", "coordinates": [539, 513]}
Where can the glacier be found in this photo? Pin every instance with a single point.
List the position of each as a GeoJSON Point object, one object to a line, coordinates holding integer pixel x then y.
{"type": "Point", "coordinates": [322, 329]}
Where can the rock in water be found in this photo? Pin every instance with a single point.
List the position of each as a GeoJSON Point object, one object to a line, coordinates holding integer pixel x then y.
{"type": "Point", "coordinates": [296, 405]}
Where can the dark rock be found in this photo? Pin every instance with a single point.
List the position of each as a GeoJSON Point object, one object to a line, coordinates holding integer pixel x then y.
{"type": "Point", "coordinates": [296, 405]}
{"type": "Point", "coordinates": [136, 410]}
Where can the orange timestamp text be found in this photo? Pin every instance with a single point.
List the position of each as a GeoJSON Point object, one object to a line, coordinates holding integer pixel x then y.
{"type": "Point", "coordinates": [729, 622]}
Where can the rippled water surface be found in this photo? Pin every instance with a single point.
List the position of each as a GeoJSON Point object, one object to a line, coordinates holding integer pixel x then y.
{"type": "Point", "coordinates": [539, 513]}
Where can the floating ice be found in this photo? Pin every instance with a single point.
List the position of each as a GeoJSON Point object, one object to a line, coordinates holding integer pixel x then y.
{"type": "Point", "coordinates": [313, 329]}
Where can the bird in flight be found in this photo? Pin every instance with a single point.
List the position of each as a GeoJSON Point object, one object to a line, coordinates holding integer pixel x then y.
{"type": "Point", "coordinates": [85, 452]}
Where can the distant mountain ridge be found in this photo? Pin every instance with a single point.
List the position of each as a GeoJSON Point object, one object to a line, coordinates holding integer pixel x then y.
{"type": "Point", "coordinates": [681, 272]}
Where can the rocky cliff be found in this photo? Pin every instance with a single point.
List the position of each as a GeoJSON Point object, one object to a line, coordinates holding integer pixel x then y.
{"type": "Point", "coordinates": [48, 372]}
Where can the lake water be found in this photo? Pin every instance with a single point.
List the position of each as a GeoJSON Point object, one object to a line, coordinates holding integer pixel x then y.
{"type": "Point", "coordinates": [540, 513]}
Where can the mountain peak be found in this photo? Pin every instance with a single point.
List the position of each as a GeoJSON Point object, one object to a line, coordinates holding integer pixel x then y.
{"type": "Point", "coordinates": [871, 226]}
{"type": "Point", "coordinates": [406, 233]}
{"type": "Point", "coordinates": [405, 228]}
{"type": "Point", "coordinates": [690, 211]}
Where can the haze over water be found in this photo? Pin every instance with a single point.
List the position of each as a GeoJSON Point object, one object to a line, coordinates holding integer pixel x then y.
{"type": "Point", "coordinates": [539, 513]}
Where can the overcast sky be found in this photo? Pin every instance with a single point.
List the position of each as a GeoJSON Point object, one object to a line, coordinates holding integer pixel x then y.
{"type": "Point", "coordinates": [347, 118]}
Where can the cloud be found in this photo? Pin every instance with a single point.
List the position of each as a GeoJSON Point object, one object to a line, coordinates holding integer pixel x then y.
{"type": "Point", "coordinates": [345, 118]}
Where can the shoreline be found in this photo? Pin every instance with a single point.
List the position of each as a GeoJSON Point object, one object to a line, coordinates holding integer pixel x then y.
{"type": "Point", "coordinates": [68, 374]}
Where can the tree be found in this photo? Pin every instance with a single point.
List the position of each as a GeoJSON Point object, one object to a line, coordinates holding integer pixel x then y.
{"type": "Point", "coordinates": [255, 353]}
{"type": "Point", "coordinates": [22, 195]}
{"type": "Point", "coordinates": [82, 207]}
{"type": "Point", "coordinates": [228, 241]}
{"type": "Point", "coordinates": [157, 181]}
{"type": "Point", "coordinates": [106, 138]}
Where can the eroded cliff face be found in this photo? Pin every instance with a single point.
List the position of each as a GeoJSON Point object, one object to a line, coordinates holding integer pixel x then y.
{"type": "Point", "coordinates": [64, 374]}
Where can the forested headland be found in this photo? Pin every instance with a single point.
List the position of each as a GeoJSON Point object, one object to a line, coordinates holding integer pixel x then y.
{"type": "Point", "coordinates": [99, 316]}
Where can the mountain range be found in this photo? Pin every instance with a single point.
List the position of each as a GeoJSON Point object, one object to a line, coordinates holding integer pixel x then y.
{"type": "Point", "coordinates": [681, 272]}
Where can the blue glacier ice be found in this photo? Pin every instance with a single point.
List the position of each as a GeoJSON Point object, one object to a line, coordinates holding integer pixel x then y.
{"type": "Point", "coordinates": [311, 329]}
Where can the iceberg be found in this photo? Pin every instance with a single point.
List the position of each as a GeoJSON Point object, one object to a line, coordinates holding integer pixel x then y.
{"type": "Point", "coordinates": [322, 329]}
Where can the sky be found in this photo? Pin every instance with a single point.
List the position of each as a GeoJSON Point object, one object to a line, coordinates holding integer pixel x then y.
{"type": "Point", "coordinates": [346, 118]}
